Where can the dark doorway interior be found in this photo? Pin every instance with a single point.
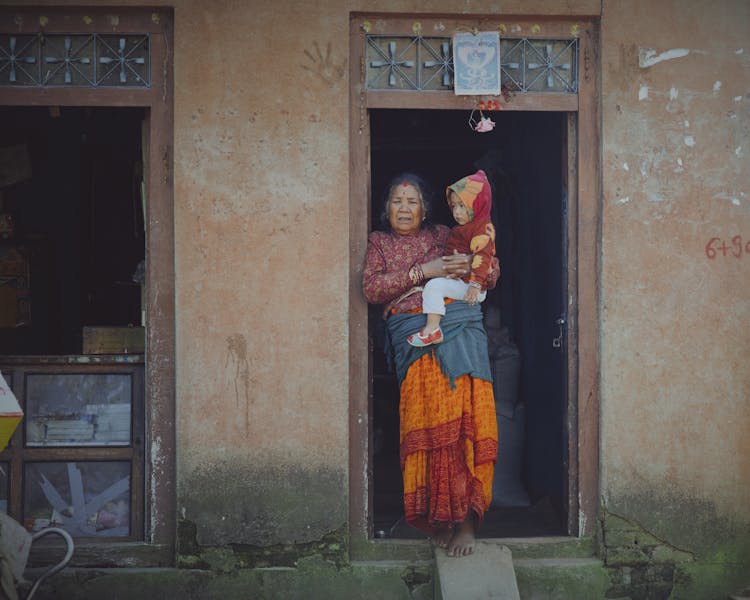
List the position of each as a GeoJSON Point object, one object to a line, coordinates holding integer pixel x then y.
{"type": "Point", "coordinates": [523, 157]}
{"type": "Point", "coordinates": [77, 215]}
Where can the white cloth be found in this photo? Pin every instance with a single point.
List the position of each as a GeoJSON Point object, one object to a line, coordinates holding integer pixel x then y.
{"type": "Point", "coordinates": [435, 290]}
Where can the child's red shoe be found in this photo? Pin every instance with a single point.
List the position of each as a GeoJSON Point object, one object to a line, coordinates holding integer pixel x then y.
{"type": "Point", "coordinates": [419, 340]}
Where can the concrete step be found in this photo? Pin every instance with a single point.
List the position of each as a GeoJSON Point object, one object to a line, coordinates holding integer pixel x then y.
{"type": "Point", "coordinates": [493, 572]}
{"type": "Point", "coordinates": [486, 574]}
{"type": "Point", "coordinates": [548, 547]}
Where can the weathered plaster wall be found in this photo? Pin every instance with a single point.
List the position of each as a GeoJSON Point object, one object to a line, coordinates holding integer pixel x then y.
{"type": "Point", "coordinates": [260, 155]}
{"type": "Point", "coordinates": [675, 383]}
{"type": "Point", "coordinates": [261, 235]}
{"type": "Point", "coordinates": [261, 213]}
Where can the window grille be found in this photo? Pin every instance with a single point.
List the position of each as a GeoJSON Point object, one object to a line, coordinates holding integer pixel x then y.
{"type": "Point", "coordinates": [75, 60]}
{"type": "Point", "coordinates": [426, 64]}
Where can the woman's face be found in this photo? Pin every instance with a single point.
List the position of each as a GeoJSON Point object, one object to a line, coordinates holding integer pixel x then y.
{"type": "Point", "coordinates": [405, 211]}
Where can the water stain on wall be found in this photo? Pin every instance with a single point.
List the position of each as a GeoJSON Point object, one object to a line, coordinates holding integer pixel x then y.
{"type": "Point", "coordinates": [239, 364]}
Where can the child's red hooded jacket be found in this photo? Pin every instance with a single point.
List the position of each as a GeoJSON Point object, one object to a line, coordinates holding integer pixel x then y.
{"type": "Point", "coordinates": [476, 237]}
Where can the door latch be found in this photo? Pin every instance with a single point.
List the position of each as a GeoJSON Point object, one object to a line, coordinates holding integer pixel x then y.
{"type": "Point", "coordinates": [557, 341]}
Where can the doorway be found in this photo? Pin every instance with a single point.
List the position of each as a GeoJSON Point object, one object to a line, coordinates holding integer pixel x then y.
{"type": "Point", "coordinates": [525, 160]}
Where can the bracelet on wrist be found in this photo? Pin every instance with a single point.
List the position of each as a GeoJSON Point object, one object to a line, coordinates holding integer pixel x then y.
{"type": "Point", "coordinates": [416, 274]}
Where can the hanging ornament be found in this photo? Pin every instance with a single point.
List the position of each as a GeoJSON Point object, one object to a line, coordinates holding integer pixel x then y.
{"type": "Point", "coordinates": [482, 125]}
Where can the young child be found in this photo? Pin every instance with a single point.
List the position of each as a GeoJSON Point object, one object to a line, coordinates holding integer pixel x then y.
{"type": "Point", "coordinates": [470, 200]}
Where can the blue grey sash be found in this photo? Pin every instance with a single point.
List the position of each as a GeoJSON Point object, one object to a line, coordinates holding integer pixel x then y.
{"type": "Point", "coordinates": [463, 350]}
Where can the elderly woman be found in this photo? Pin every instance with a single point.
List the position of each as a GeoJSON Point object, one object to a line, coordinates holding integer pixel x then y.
{"type": "Point", "coordinates": [448, 436]}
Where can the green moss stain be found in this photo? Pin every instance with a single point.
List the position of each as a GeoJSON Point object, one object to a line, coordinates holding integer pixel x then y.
{"type": "Point", "coordinates": [562, 579]}
{"type": "Point", "coordinates": [679, 521]}
{"type": "Point", "coordinates": [627, 543]}
{"type": "Point", "coordinates": [187, 537]}
{"type": "Point", "coordinates": [416, 577]}
{"type": "Point", "coordinates": [724, 571]}
{"type": "Point", "coordinates": [313, 578]}
{"type": "Point", "coordinates": [232, 502]}
{"type": "Point", "coordinates": [647, 564]}
{"type": "Point", "coordinates": [331, 547]}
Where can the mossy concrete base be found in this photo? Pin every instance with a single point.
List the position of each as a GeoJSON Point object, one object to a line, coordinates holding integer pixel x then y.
{"type": "Point", "coordinates": [703, 581]}
{"type": "Point", "coordinates": [316, 578]}
{"type": "Point", "coordinates": [268, 513]}
{"type": "Point", "coordinates": [642, 564]}
{"type": "Point", "coordinates": [636, 565]}
{"type": "Point", "coordinates": [562, 579]}
{"type": "Point", "coordinates": [313, 578]}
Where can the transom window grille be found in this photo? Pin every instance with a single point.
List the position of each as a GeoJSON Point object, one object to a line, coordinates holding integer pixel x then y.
{"type": "Point", "coordinates": [426, 64]}
{"type": "Point", "coordinates": [76, 60]}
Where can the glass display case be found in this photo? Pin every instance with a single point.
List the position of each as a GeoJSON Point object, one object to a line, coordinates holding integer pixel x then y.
{"type": "Point", "coordinates": [84, 498]}
{"type": "Point", "coordinates": [88, 409]}
{"type": "Point", "coordinates": [77, 460]}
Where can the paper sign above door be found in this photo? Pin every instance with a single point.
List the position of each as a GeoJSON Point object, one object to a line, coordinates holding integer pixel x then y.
{"type": "Point", "coordinates": [476, 63]}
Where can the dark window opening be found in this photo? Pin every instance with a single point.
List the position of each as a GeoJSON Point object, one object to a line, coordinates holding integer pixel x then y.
{"type": "Point", "coordinates": [524, 159]}
{"type": "Point", "coordinates": [74, 212]}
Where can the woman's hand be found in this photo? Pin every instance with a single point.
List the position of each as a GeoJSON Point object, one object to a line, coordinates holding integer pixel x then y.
{"type": "Point", "coordinates": [453, 266]}
{"type": "Point", "coordinates": [472, 295]}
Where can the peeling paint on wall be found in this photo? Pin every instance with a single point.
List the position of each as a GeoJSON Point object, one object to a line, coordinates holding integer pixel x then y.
{"type": "Point", "coordinates": [157, 467]}
{"type": "Point", "coordinates": [655, 197]}
{"type": "Point", "coordinates": [648, 58]}
{"type": "Point", "coordinates": [733, 198]}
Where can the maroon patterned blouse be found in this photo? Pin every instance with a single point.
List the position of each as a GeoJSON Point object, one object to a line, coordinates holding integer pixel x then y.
{"type": "Point", "coordinates": [390, 256]}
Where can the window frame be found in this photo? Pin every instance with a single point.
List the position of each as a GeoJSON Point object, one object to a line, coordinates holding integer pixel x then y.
{"type": "Point", "coordinates": [159, 484]}
{"type": "Point", "coordinates": [19, 452]}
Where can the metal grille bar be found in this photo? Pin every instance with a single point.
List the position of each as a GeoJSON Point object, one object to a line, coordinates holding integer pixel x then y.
{"type": "Point", "coordinates": [75, 60]}
{"type": "Point", "coordinates": [528, 65]}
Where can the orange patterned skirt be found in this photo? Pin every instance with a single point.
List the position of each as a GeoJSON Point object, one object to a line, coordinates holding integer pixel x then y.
{"type": "Point", "coordinates": [448, 446]}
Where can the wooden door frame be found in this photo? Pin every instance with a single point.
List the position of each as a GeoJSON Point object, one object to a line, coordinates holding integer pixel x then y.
{"type": "Point", "coordinates": [157, 100]}
{"type": "Point", "coordinates": [583, 252]}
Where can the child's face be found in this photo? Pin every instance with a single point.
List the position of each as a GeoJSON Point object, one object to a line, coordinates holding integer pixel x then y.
{"type": "Point", "coordinates": [460, 212]}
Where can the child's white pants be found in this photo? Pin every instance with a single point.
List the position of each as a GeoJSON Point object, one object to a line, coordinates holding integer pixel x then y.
{"type": "Point", "coordinates": [442, 287]}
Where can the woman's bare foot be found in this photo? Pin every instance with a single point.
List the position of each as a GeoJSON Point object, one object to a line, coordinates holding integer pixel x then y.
{"type": "Point", "coordinates": [463, 540]}
{"type": "Point", "coordinates": [443, 536]}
